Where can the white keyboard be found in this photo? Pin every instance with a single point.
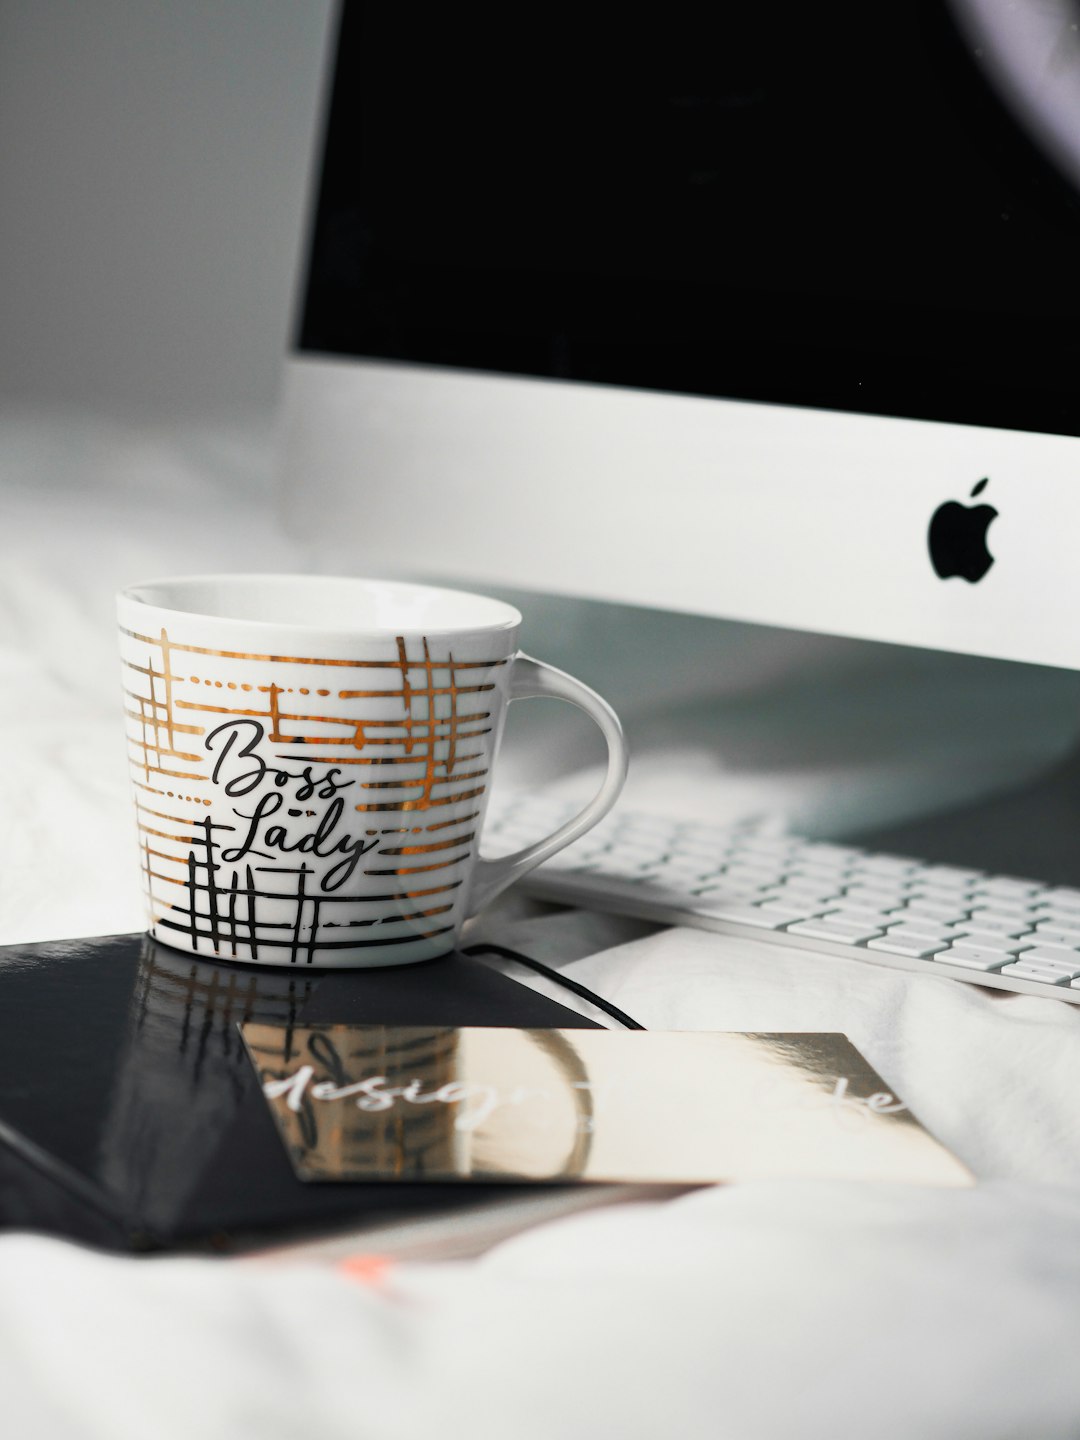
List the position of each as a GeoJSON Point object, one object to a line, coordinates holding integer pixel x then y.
{"type": "Point", "coordinates": [751, 879]}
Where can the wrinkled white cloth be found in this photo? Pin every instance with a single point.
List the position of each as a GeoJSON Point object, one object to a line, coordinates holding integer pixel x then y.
{"type": "Point", "coordinates": [755, 1311]}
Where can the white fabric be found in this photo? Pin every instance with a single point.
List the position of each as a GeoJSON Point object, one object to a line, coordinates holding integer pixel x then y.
{"type": "Point", "coordinates": [766, 1310]}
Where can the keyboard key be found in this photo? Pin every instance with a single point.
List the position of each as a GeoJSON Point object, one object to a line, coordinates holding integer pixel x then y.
{"type": "Point", "coordinates": [939, 895]}
{"type": "Point", "coordinates": [1069, 971]}
{"type": "Point", "coordinates": [1000, 904]}
{"type": "Point", "coordinates": [795, 894]}
{"type": "Point", "coordinates": [919, 932]}
{"type": "Point", "coordinates": [919, 947]}
{"type": "Point", "coordinates": [626, 859]}
{"type": "Point", "coordinates": [787, 912]}
{"type": "Point", "coordinates": [995, 916]}
{"type": "Point", "coordinates": [987, 940]}
{"type": "Point", "coordinates": [879, 897]}
{"type": "Point", "coordinates": [752, 875]}
{"type": "Point", "coordinates": [687, 865]}
{"type": "Point", "coordinates": [720, 877]}
{"type": "Point", "coordinates": [1044, 974]}
{"type": "Point", "coordinates": [841, 933]}
{"type": "Point", "coordinates": [703, 884]}
{"type": "Point", "coordinates": [613, 869]}
{"type": "Point", "coordinates": [1006, 886]}
{"type": "Point", "coordinates": [854, 915]}
{"type": "Point", "coordinates": [818, 874]}
{"type": "Point", "coordinates": [691, 829]}
{"type": "Point", "coordinates": [927, 910]}
{"type": "Point", "coordinates": [726, 845]}
{"type": "Point", "coordinates": [883, 885]}
{"type": "Point", "coordinates": [921, 924]}
{"type": "Point", "coordinates": [1051, 915]}
{"type": "Point", "coordinates": [809, 884]}
{"type": "Point", "coordinates": [975, 960]}
{"type": "Point", "coordinates": [637, 844]}
{"type": "Point", "coordinates": [1016, 931]}
{"type": "Point", "coordinates": [1055, 956]}
{"type": "Point", "coordinates": [716, 893]}
{"type": "Point", "coordinates": [762, 917]}
{"type": "Point", "coordinates": [1062, 897]}
{"type": "Point", "coordinates": [1057, 934]}
{"type": "Point", "coordinates": [631, 838]}
{"type": "Point", "coordinates": [960, 947]}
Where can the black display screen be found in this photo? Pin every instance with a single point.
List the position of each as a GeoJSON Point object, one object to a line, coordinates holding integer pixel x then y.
{"type": "Point", "coordinates": [812, 205]}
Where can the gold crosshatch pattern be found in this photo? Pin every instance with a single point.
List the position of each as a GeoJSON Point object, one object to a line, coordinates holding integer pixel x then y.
{"type": "Point", "coordinates": [410, 740]}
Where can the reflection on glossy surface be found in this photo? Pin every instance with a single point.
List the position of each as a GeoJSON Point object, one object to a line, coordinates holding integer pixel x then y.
{"type": "Point", "coordinates": [409, 1103]}
{"type": "Point", "coordinates": [131, 1117]}
{"type": "Point", "coordinates": [421, 1062]}
{"type": "Point", "coordinates": [183, 1058]}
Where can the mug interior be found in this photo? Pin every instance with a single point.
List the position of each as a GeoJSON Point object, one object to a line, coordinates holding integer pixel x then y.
{"type": "Point", "coordinates": [337, 603]}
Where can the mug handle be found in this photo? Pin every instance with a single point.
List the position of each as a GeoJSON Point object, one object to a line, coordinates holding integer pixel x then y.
{"type": "Point", "coordinates": [532, 679]}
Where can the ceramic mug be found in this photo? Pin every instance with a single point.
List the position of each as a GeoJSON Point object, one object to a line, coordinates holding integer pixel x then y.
{"type": "Point", "coordinates": [312, 758]}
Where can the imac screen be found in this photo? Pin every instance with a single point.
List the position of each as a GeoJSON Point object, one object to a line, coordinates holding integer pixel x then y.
{"type": "Point", "coordinates": [812, 205]}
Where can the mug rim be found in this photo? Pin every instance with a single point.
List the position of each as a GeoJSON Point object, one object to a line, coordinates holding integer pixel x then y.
{"type": "Point", "coordinates": [510, 619]}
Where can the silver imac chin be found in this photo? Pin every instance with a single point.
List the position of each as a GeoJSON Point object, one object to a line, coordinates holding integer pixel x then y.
{"type": "Point", "coordinates": [813, 520]}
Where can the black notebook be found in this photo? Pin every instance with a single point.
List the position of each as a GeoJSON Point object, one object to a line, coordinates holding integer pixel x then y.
{"type": "Point", "coordinates": [131, 1118]}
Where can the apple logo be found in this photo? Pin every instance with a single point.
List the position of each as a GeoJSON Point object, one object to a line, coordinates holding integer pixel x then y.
{"type": "Point", "coordinates": [958, 538]}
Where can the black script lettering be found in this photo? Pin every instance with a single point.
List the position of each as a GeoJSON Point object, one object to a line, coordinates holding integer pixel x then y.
{"type": "Point", "coordinates": [320, 843]}
{"type": "Point", "coordinates": [245, 783]}
{"type": "Point", "coordinates": [268, 805]}
{"type": "Point", "coordinates": [325, 786]}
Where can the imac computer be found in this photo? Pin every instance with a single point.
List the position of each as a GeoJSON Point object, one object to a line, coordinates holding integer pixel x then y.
{"type": "Point", "coordinates": [747, 347]}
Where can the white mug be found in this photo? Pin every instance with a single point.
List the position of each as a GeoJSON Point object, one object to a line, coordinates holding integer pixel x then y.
{"type": "Point", "coordinates": [312, 757]}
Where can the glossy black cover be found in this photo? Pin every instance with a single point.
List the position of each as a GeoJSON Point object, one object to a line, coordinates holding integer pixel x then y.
{"type": "Point", "coordinates": [130, 1117]}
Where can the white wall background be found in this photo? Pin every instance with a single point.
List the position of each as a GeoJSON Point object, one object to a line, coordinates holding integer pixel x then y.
{"type": "Point", "coordinates": [155, 158]}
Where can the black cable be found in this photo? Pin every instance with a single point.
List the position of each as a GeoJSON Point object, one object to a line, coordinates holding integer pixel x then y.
{"type": "Point", "coordinates": [505, 953]}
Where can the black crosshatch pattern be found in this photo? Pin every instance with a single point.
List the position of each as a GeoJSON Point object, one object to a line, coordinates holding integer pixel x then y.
{"type": "Point", "coordinates": [805, 204]}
